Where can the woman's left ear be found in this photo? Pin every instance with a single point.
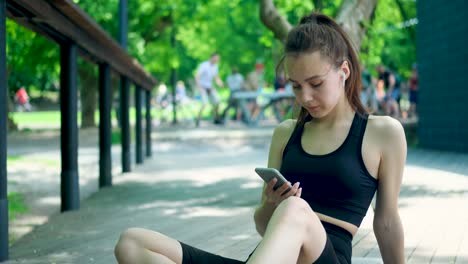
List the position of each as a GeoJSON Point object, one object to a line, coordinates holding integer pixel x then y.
{"type": "Point", "coordinates": [345, 70]}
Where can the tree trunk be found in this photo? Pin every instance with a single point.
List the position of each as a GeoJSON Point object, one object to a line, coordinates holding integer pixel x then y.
{"type": "Point", "coordinates": [88, 94]}
{"type": "Point", "coordinates": [351, 16]}
{"type": "Point", "coordinates": [115, 86]}
{"type": "Point", "coordinates": [273, 20]}
{"type": "Point", "coordinates": [11, 125]}
{"type": "Point", "coordinates": [318, 5]}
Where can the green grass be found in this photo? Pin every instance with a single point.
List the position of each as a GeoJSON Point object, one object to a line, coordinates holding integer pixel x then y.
{"type": "Point", "coordinates": [14, 159]}
{"type": "Point", "coordinates": [52, 118]}
{"type": "Point", "coordinates": [115, 137]}
{"type": "Point", "coordinates": [16, 205]}
{"type": "Point", "coordinates": [45, 117]}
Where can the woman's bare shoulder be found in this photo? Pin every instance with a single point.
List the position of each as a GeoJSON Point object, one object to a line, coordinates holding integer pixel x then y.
{"type": "Point", "coordinates": [286, 127]}
{"type": "Point", "coordinates": [385, 130]}
{"type": "Point", "coordinates": [284, 130]}
{"type": "Point", "coordinates": [384, 123]}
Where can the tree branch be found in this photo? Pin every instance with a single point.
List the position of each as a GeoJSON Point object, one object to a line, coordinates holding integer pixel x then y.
{"type": "Point", "coordinates": [352, 15]}
{"type": "Point", "coordinates": [273, 20]}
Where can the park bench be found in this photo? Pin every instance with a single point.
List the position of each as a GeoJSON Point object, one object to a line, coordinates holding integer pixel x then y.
{"type": "Point", "coordinates": [266, 101]}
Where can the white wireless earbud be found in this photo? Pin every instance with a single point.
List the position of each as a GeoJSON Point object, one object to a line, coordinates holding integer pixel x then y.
{"type": "Point", "coordinates": [343, 74]}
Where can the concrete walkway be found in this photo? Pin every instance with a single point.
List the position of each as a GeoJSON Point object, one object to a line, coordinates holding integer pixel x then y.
{"type": "Point", "coordinates": [203, 192]}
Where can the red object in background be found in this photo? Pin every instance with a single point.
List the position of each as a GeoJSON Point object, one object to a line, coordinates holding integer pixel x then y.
{"type": "Point", "coordinates": [22, 96]}
{"type": "Point", "coordinates": [259, 66]}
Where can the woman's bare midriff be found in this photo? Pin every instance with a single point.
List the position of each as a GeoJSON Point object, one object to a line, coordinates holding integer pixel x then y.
{"type": "Point", "coordinates": [347, 226]}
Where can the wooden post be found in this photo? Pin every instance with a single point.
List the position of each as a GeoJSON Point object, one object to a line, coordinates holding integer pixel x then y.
{"type": "Point", "coordinates": [69, 127]}
{"type": "Point", "coordinates": [138, 126]}
{"type": "Point", "coordinates": [3, 137]}
{"type": "Point", "coordinates": [124, 117]}
{"type": "Point", "coordinates": [105, 127]}
{"type": "Point", "coordinates": [124, 90]}
{"type": "Point", "coordinates": [148, 123]}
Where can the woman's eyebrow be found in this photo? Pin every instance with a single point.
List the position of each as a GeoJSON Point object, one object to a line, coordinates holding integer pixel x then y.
{"type": "Point", "coordinates": [309, 78]}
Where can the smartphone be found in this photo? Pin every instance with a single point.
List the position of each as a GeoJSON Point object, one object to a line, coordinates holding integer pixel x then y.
{"type": "Point", "coordinates": [267, 174]}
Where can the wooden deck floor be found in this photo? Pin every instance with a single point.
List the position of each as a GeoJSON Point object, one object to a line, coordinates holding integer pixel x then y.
{"type": "Point", "coordinates": [206, 199]}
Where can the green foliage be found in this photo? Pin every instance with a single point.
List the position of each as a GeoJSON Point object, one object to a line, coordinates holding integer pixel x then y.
{"type": "Point", "coordinates": [32, 60]}
{"type": "Point", "coordinates": [387, 42]}
{"type": "Point", "coordinates": [232, 28]}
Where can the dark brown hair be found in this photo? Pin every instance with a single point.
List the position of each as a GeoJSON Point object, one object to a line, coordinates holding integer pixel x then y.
{"type": "Point", "coordinates": [318, 32]}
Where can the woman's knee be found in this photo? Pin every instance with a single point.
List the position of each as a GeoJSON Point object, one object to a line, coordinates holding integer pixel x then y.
{"type": "Point", "coordinates": [294, 204]}
{"type": "Point", "coordinates": [128, 246]}
{"type": "Point", "coordinates": [295, 210]}
{"type": "Point", "coordinates": [131, 234]}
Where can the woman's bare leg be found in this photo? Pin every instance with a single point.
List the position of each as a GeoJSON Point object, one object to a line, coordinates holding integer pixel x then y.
{"type": "Point", "coordinates": [138, 245]}
{"type": "Point", "coordinates": [293, 235]}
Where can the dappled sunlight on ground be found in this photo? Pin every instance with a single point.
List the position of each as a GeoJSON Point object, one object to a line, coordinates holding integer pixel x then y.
{"type": "Point", "coordinates": [192, 212]}
{"type": "Point", "coordinates": [188, 190]}
{"type": "Point", "coordinates": [453, 182]}
{"type": "Point", "coordinates": [177, 204]}
{"type": "Point", "coordinates": [252, 185]}
{"type": "Point", "coordinates": [51, 200]}
{"type": "Point", "coordinates": [199, 177]}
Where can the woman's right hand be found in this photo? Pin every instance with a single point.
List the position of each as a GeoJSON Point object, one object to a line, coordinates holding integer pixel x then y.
{"type": "Point", "coordinates": [275, 197]}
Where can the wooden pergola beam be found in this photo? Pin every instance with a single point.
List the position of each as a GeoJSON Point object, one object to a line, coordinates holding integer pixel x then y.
{"type": "Point", "coordinates": [63, 18]}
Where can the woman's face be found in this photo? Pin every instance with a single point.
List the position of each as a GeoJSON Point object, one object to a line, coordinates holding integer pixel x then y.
{"type": "Point", "coordinates": [317, 85]}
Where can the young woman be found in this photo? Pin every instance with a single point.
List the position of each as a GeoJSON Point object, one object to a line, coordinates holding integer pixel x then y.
{"type": "Point", "coordinates": [340, 155]}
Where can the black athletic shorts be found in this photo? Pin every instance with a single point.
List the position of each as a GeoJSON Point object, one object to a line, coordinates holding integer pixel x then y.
{"type": "Point", "coordinates": [191, 255]}
{"type": "Point", "coordinates": [338, 250]}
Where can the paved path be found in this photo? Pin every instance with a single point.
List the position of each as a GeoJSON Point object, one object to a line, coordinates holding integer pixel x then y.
{"type": "Point", "coordinates": [204, 194]}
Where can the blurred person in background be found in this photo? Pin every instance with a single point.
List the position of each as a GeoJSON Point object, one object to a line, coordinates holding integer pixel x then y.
{"type": "Point", "coordinates": [207, 72]}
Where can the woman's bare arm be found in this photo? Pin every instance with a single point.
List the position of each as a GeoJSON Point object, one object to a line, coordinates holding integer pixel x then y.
{"type": "Point", "coordinates": [279, 140]}
{"type": "Point", "coordinates": [387, 224]}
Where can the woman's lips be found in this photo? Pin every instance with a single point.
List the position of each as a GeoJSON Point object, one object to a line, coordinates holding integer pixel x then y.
{"type": "Point", "coordinates": [312, 108]}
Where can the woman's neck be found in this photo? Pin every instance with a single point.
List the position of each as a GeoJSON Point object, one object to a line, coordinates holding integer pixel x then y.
{"type": "Point", "coordinates": [343, 113]}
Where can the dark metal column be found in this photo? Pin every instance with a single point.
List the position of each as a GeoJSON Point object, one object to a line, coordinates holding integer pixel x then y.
{"type": "Point", "coordinates": [124, 116]}
{"type": "Point", "coordinates": [3, 137]}
{"type": "Point", "coordinates": [124, 90]}
{"type": "Point", "coordinates": [70, 191]}
{"type": "Point", "coordinates": [123, 25]}
{"type": "Point", "coordinates": [105, 133]}
{"type": "Point", "coordinates": [148, 123]}
{"type": "Point", "coordinates": [138, 126]}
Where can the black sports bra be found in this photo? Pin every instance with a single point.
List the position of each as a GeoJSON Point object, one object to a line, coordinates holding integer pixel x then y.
{"type": "Point", "coordinates": [335, 184]}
